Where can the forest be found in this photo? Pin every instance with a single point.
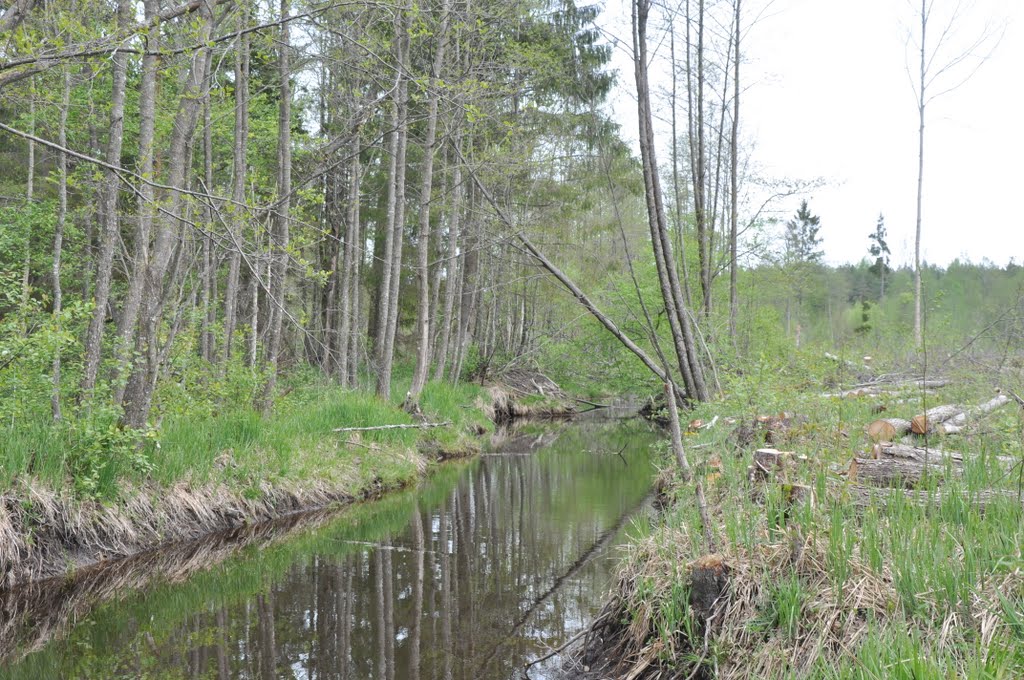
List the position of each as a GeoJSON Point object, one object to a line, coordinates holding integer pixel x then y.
{"type": "Point", "coordinates": [264, 256]}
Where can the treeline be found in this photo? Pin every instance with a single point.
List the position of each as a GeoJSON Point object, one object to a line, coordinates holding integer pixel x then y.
{"type": "Point", "coordinates": [208, 192]}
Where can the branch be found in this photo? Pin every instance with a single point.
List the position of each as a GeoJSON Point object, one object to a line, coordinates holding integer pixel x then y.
{"type": "Point", "coordinates": [402, 426]}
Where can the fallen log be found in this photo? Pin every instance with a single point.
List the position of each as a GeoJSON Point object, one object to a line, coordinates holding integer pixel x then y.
{"type": "Point", "coordinates": [887, 429]}
{"type": "Point", "coordinates": [902, 472]}
{"type": "Point", "coordinates": [929, 455]}
{"type": "Point", "coordinates": [877, 391]}
{"type": "Point", "coordinates": [400, 426]}
{"type": "Point", "coordinates": [896, 382]}
{"type": "Point", "coordinates": [959, 421]}
{"type": "Point", "coordinates": [927, 421]}
{"type": "Point", "coordinates": [863, 497]}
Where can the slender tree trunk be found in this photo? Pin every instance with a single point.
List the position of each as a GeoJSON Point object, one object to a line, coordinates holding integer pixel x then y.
{"type": "Point", "coordinates": [703, 232]}
{"type": "Point", "coordinates": [419, 378]}
{"type": "Point", "coordinates": [451, 264]}
{"type": "Point", "coordinates": [353, 271]}
{"type": "Point", "coordinates": [146, 205]}
{"type": "Point", "coordinates": [686, 349]}
{"type": "Point", "coordinates": [108, 200]}
{"type": "Point", "coordinates": [396, 212]}
{"type": "Point", "coordinates": [58, 236]}
{"type": "Point", "coordinates": [346, 278]}
{"type": "Point", "coordinates": [139, 390]}
{"type": "Point", "coordinates": [209, 271]}
{"type": "Point", "coordinates": [26, 269]}
{"type": "Point", "coordinates": [734, 182]}
{"type": "Point", "coordinates": [239, 170]}
{"type": "Point", "coordinates": [279, 248]}
{"type": "Point", "coordinates": [918, 336]}
{"type": "Point", "coordinates": [678, 187]}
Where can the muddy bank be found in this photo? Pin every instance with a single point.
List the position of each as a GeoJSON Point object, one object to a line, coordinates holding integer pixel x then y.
{"type": "Point", "coordinates": [47, 534]}
{"type": "Point", "coordinates": [41, 611]}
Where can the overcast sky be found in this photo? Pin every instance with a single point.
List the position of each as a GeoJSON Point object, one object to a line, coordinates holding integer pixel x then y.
{"type": "Point", "coordinates": [828, 96]}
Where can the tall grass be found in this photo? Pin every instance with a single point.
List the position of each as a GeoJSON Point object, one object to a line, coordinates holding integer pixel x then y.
{"type": "Point", "coordinates": [899, 589]}
{"type": "Point", "coordinates": [236, 444]}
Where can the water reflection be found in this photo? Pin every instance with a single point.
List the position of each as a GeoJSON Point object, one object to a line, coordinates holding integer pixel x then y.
{"type": "Point", "coordinates": [473, 575]}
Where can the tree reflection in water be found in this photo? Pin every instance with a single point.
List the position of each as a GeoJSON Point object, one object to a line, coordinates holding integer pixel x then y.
{"type": "Point", "coordinates": [480, 570]}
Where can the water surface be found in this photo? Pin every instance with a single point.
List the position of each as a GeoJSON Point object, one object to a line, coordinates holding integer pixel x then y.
{"type": "Point", "coordinates": [486, 566]}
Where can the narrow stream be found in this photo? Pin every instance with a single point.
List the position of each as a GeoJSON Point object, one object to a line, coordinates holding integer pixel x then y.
{"type": "Point", "coordinates": [484, 567]}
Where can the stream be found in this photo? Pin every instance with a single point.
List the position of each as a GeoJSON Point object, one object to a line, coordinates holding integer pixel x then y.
{"type": "Point", "coordinates": [486, 566]}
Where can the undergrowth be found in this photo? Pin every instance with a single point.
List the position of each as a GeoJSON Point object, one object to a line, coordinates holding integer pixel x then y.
{"type": "Point", "coordinates": [839, 588]}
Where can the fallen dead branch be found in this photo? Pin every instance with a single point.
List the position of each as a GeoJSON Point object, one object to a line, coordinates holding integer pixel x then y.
{"type": "Point", "coordinates": [399, 426]}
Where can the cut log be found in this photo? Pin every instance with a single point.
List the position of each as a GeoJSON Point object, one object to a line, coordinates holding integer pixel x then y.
{"type": "Point", "coordinates": [927, 421]}
{"type": "Point", "coordinates": [864, 497]}
{"type": "Point", "coordinates": [929, 455]}
{"type": "Point", "coordinates": [901, 472]}
{"type": "Point", "coordinates": [959, 421]}
{"type": "Point", "coordinates": [887, 429]}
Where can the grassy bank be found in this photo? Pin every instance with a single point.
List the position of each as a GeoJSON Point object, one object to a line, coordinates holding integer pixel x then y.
{"type": "Point", "coordinates": [83, 491]}
{"type": "Point", "coordinates": [860, 582]}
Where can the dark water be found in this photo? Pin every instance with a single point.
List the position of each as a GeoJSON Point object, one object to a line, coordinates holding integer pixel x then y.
{"type": "Point", "coordinates": [484, 567]}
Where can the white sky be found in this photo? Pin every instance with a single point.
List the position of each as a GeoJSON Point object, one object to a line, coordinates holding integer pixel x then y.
{"type": "Point", "coordinates": [828, 96]}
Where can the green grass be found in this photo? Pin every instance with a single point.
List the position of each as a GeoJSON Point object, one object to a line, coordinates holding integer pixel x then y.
{"type": "Point", "coordinates": [239, 446]}
{"type": "Point", "coordinates": [897, 590]}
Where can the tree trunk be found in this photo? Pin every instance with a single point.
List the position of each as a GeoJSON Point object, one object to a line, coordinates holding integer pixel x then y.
{"type": "Point", "coordinates": [918, 333]}
{"type": "Point", "coordinates": [688, 360]}
{"type": "Point", "coordinates": [108, 200]}
{"type": "Point", "coordinates": [279, 247]}
{"type": "Point", "coordinates": [678, 187]}
{"type": "Point", "coordinates": [355, 219]}
{"type": "Point", "coordinates": [419, 378]}
{"type": "Point", "coordinates": [700, 170]}
{"type": "Point", "coordinates": [348, 279]}
{"type": "Point", "coordinates": [451, 264]}
{"type": "Point", "coordinates": [239, 151]}
{"type": "Point", "coordinates": [26, 267]}
{"type": "Point", "coordinates": [147, 198]}
{"type": "Point", "coordinates": [899, 472]}
{"type": "Point", "coordinates": [209, 266]}
{"type": "Point", "coordinates": [58, 236]}
{"type": "Point", "coordinates": [139, 391]}
{"type": "Point", "coordinates": [734, 195]}
{"type": "Point", "coordinates": [396, 208]}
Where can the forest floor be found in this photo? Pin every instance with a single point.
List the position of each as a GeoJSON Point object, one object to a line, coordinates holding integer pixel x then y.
{"type": "Point", "coordinates": [831, 556]}
{"type": "Point", "coordinates": [70, 501]}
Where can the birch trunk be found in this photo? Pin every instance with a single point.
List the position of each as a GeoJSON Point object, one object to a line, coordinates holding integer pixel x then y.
{"type": "Point", "coordinates": [419, 378]}
{"type": "Point", "coordinates": [451, 265]}
{"type": "Point", "coordinates": [239, 169]}
{"type": "Point", "coordinates": [108, 202]}
{"type": "Point", "coordinates": [279, 247]}
{"type": "Point", "coordinates": [58, 237]}
{"type": "Point", "coordinates": [146, 204]}
{"type": "Point", "coordinates": [396, 209]}
{"type": "Point", "coordinates": [139, 390]}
